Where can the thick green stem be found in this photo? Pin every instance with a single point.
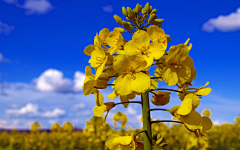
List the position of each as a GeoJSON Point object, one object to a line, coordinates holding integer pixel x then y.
{"type": "Point", "coordinates": [146, 121]}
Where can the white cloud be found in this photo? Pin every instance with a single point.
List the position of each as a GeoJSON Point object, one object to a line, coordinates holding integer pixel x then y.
{"type": "Point", "coordinates": [52, 80]}
{"type": "Point", "coordinates": [78, 81]}
{"type": "Point", "coordinates": [32, 111]}
{"type": "Point", "coordinates": [37, 7]}
{"type": "Point", "coordinates": [5, 28]}
{"type": "Point", "coordinates": [222, 23]}
{"type": "Point", "coordinates": [31, 7]}
{"type": "Point", "coordinates": [107, 8]}
{"type": "Point", "coordinates": [78, 106]}
{"type": "Point", "coordinates": [28, 109]}
{"type": "Point", "coordinates": [131, 111]}
{"type": "Point", "coordinates": [55, 113]}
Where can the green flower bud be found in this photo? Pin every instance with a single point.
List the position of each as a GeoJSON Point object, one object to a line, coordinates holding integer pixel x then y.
{"type": "Point", "coordinates": [121, 30]}
{"type": "Point", "coordinates": [126, 25]}
{"type": "Point", "coordinates": [130, 12]}
{"type": "Point", "coordinates": [158, 22]}
{"type": "Point", "coordinates": [152, 18]}
{"type": "Point", "coordinates": [146, 8]}
{"type": "Point", "coordinates": [124, 11]}
{"type": "Point", "coordinates": [118, 19]}
{"type": "Point", "coordinates": [150, 10]}
{"type": "Point", "coordinates": [138, 8]}
{"type": "Point", "coordinates": [154, 11]}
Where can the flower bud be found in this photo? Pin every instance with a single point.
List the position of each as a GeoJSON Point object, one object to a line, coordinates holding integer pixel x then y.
{"type": "Point", "coordinates": [126, 25]}
{"type": "Point", "coordinates": [129, 12]}
{"type": "Point", "coordinates": [158, 22]}
{"type": "Point", "coordinates": [150, 10]}
{"type": "Point", "coordinates": [118, 19]}
{"type": "Point", "coordinates": [146, 8]}
{"type": "Point", "coordinates": [124, 11]}
{"type": "Point", "coordinates": [138, 8]}
{"type": "Point", "coordinates": [152, 18]}
{"type": "Point", "coordinates": [154, 11]}
{"type": "Point", "coordinates": [121, 30]}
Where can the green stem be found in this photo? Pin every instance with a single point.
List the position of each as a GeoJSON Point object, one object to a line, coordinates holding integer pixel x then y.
{"type": "Point", "coordinates": [141, 132]}
{"type": "Point", "coordinates": [166, 121]}
{"type": "Point", "coordinates": [128, 102]}
{"type": "Point", "coordinates": [146, 121]}
{"type": "Point", "coordinates": [166, 89]}
{"type": "Point", "coordinates": [158, 109]}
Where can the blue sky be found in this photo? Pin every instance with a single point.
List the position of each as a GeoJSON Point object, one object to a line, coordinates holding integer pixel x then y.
{"type": "Point", "coordinates": [42, 61]}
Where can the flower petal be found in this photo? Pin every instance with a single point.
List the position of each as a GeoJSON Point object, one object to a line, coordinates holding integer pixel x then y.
{"type": "Point", "coordinates": [140, 83]}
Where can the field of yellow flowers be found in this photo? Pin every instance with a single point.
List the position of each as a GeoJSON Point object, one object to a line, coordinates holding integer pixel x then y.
{"type": "Point", "coordinates": [93, 137]}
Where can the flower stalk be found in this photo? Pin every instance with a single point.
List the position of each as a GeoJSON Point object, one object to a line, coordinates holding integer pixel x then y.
{"type": "Point", "coordinates": [146, 121]}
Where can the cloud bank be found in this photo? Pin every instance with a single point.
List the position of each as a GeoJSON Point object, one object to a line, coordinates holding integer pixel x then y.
{"type": "Point", "coordinates": [228, 23]}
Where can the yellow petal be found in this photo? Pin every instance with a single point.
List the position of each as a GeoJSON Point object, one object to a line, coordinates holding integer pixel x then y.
{"type": "Point", "coordinates": [193, 120]}
{"type": "Point", "coordinates": [100, 69]}
{"type": "Point", "coordinates": [113, 95]}
{"type": "Point", "coordinates": [121, 82]}
{"type": "Point", "coordinates": [154, 84]}
{"type": "Point", "coordinates": [204, 91]}
{"type": "Point", "coordinates": [157, 50]}
{"type": "Point", "coordinates": [99, 99]}
{"type": "Point", "coordinates": [109, 142]}
{"type": "Point", "coordinates": [183, 73]}
{"type": "Point", "coordinates": [148, 59]}
{"type": "Point", "coordinates": [123, 140]}
{"type": "Point", "coordinates": [157, 35]}
{"type": "Point", "coordinates": [97, 58]}
{"type": "Point", "coordinates": [88, 86]}
{"type": "Point", "coordinates": [132, 49]}
{"type": "Point", "coordinates": [103, 34]}
{"type": "Point", "coordinates": [88, 71]}
{"type": "Point", "coordinates": [124, 99]}
{"type": "Point", "coordinates": [140, 82]}
{"type": "Point", "coordinates": [169, 75]}
{"type": "Point", "coordinates": [99, 110]}
{"type": "Point", "coordinates": [173, 110]}
{"type": "Point", "coordinates": [207, 124]}
{"type": "Point", "coordinates": [186, 107]}
{"type": "Point", "coordinates": [195, 100]}
{"type": "Point", "coordinates": [141, 38]}
{"type": "Point", "coordinates": [89, 49]}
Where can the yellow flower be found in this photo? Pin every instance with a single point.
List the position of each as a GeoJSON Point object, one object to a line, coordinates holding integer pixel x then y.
{"type": "Point", "coordinates": [129, 68]}
{"type": "Point", "coordinates": [179, 65]}
{"type": "Point", "coordinates": [206, 112]}
{"type": "Point", "coordinates": [117, 142]}
{"type": "Point", "coordinates": [99, 110]}
{"type": "Point", "coordinates": [91, 84]}
{"type": "Point", "coordinates": [189, 103]}
{"type": "Point", "coordinates": [140, 45]}
{"type": "Point", "coordinates": [161, 98]}
{"type": "Point", "coordinates": [115, 41]}
{"type": "Point", "coordinates": [157, 34]}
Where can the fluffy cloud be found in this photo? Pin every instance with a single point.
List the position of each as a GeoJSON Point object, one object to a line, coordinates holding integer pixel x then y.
{"type": "Point", "coordinates": [53, 80]}
{"type": "Point", "coordinates": [33, 6]}
{"type": "Point", "coordinates": [78, 81]}
{"type": "Point", "coordinates": [55, 113]}
{"type": "Point", "coordinates": [222, 23]}
{"type": "Point", "coordinates": [5, 28]}
{"type": "Point", "coordinates": [107, 8]}
{"type": "Point", "coordinates": [37, 7]}
{"type": "Point", "coordinates": [28, 109]}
